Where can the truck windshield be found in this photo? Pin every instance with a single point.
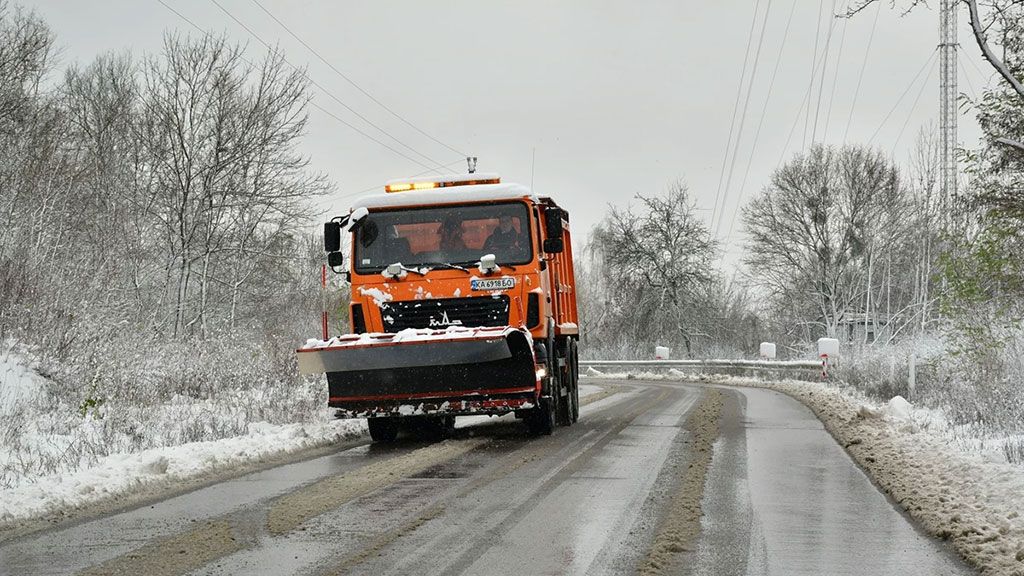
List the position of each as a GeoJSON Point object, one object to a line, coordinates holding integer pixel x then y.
{"type": "Point", "coordinates": [435, 237]}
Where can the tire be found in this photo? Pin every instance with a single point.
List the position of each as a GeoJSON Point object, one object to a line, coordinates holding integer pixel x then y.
{"type": "Point", "coordinates": [569, 411]}
{"type": "Point", "coordinates": [547, 415]}
{"type": "Point", "coordinates": [565, 407]}
{"type": "Point", "coordinates": [383, 430]}
{"type": "Point", "coordinates": [574, 381]}
{"type": "Point", "coordinates": [542, 418]}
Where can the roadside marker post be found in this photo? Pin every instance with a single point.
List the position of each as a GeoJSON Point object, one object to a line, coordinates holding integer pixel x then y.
{"type": "Point", "coordinates": [828, 351]}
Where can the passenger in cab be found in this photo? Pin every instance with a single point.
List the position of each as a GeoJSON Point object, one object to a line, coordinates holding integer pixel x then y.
{"type": "Point", "coordinates": [451, 235]}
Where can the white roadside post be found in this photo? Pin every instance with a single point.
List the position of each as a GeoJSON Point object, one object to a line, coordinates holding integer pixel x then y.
{"type": "Point", "coordinates": [767, 350]}
{"type": "Point", "coordinates": [828, 351]}
{"type": "Point", "coordinates": [662, 352]}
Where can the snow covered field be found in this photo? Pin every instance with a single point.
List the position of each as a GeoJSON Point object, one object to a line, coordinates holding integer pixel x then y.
{"type": "Point", "coordinates": [959, 489]}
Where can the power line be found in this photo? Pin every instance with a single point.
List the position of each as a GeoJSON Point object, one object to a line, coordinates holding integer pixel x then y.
{"type": "Point", "coordinates": [378, 186]}
{"type": "Point", "coordinates": [370, 137]}
{"type": "Point", "coordinates": [321, 87]}
{"type": "Point", "coordinates": [814, 60]}
{"type": "Point", "coordinates": [313, 104]}
{"type": "Point", "coordinates": [903, 95]}
{"type": "Point", "coordinates": [372, 188]}
{"type": "Point", "coordinates": [760, 124]}
{"type": "Point", "coordinates": [353, 82]}
{"type": "Point", "coordinates": [910, 114]}
{"type": "Point", "coordinates": [736, 107]}
{"type": "Point", "coordinates": [821, 81]}
{"type": "Point", "coordinates": [796, 119]}
{"type": "Point", "coordinates": [792, 129]}
{"type": "Point", "coordinates": [970, 59]}
{"type": "Point", "coordinates": [860, 76]}
{"type": "Point", "coordinates": [743, 118]}
{"type": "Point", "coordinates": [835, 81]}
{"type": "Point", "coordinates": [974, 93]}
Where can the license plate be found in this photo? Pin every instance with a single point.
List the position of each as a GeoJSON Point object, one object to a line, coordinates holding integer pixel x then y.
{"type": "Point", "coordinates": [492, 283]}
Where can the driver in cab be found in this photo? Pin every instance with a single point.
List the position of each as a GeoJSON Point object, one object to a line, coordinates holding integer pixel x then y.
{"type": "Point", "coordinates": [505, 238]}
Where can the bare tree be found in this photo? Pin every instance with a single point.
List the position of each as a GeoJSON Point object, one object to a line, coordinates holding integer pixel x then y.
{"type": "Point", "coordinates": [221, 134]}
{"type": "Point", "coordinates": [818, 230]}
{"type": "Point", "coordinates": [26, 52]}
{"type": "Point", "coordinates": [657, 266]}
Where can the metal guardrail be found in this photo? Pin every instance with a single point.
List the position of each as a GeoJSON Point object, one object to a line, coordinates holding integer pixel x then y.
{"type": "Point", "coordinates": [796, 369]}
{"type": "Point", "coordinates": [779, 364]}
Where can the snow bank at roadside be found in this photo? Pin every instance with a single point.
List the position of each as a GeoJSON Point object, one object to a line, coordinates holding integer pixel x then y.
{"type": "Point", "coordinates": [975, 500]}
{"type": "Point", "coordinates": [120, 475]}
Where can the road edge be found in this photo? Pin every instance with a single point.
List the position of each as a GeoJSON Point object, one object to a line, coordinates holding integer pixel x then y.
{"type": "Point", "coordinates": [905, 467]}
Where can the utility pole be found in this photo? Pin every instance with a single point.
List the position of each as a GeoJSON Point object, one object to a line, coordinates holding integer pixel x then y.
{"type": "Point", "coordinates": [948, 101]}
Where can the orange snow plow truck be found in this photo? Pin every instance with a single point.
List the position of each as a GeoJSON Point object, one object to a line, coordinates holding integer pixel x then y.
{"type": "Point", "coordinates": [463, 302]}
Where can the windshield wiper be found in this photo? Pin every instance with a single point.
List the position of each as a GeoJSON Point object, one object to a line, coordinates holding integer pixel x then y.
{"type": "Point", "coordinates": [446, 265]}
{"type": "Point", "coordinates": [395, 270]}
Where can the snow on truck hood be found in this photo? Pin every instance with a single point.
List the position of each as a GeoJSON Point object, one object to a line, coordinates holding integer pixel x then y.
{"type": "Point", "coordinates": [451, 195]}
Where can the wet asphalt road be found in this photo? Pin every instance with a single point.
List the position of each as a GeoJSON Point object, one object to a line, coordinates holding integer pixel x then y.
{"type": "Point", "coordinates": [779, 497]}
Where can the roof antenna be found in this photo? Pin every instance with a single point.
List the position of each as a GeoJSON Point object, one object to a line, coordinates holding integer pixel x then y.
{"type": "Point", "coordinates": [533, 164]}
{"type": "Point", "coordinates": [471, 162]}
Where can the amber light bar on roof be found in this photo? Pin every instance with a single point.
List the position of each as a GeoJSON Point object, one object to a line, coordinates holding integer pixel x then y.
{"type": "Point", "coordinates": [406, 186]}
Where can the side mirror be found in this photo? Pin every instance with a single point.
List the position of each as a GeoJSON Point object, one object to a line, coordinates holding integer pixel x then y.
{"type": "Point", "coordinates": [554, 245]}
{"type": "Point", "coordinates": [332, 238]}
{"type": "Point", "coordinates": [553, 223]}
{"type": "Point", "coordinates": [335, 259]}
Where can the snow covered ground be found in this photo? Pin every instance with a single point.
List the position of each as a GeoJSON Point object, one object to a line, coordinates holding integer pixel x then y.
{"type": "Point", "coordinates": [49, 468]}
{"type": "Point", "coordinates": [150, 471]}
{"type": "Point", "coordinates": [958, 489]}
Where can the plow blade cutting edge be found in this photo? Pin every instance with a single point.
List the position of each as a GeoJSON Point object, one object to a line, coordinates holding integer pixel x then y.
{"type": "Point", "coordinates": [372, 372]}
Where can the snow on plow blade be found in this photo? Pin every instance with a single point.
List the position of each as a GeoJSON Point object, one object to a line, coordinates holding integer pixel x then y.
{"type": "Point", "coordinates": [370, 371]}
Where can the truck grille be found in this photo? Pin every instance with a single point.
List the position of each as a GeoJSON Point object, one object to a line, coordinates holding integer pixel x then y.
{"type": "Point", "coordinates": [445, 312]}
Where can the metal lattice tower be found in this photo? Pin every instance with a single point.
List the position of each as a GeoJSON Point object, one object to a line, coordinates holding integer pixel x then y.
{"type": "Point", "coordinates": [948, 99]}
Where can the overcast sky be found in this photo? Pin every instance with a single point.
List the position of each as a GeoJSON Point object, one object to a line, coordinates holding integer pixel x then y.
{"type": "Point", "coordinates": [613, 98]}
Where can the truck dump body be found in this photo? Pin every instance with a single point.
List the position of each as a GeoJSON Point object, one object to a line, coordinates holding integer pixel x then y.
{"type": "Point", "coordinates": [462, 303]}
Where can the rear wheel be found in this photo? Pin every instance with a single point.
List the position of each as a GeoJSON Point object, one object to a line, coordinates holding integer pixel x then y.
{"type": "Point", "coordinates": [542, 418]}
{"type": "Point", "coordinates": [574, 381]}
{"type": "Point", "coordinates": [569, 411]}
{"type": "Point", "coordinates": [383, 429]}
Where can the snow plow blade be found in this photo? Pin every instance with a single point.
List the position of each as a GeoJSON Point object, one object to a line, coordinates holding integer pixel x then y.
{"type": "Point", "coordinates": [426, 371]}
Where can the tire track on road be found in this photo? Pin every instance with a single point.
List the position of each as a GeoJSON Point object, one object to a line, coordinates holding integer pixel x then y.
{"type": "Point", "coordinates": [291, 510]}
{"type": "Point", "coordinates": [175, 555]}
{"type": "Point", "coordinates": [681, 524]}
{"type": "Point", "coordinates": [524, 503]}
{"type": "Point", "coordinates": [220, 537]}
